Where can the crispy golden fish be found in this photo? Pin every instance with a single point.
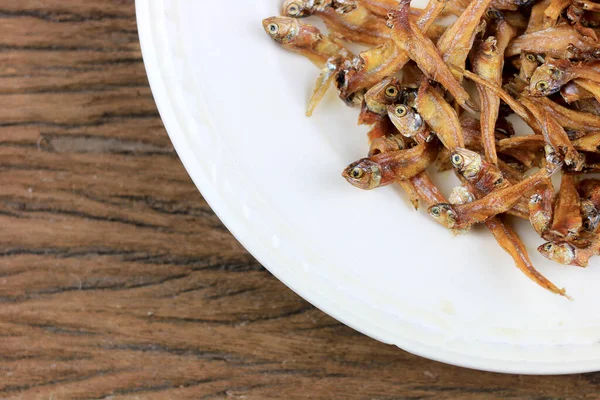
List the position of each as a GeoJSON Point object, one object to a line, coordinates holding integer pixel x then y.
{"type": "Point", "coordinates": [509, 240]}
{"type": "Point", "coordinates": [566, 221]}
{"type": "Point", "coordinates": [457, 41]}
{"type": "Point", "coordinates": [408, 37]}
{"type": "Point", "coordinates": [309, 42]}
{"type": "Point", "coordinates": [561, 41]}
{"type": "Point", "coordinates": [484, 177]}
{"type": "Point", "coordinates": [388, 91]}
{"type": "Point", "coordinates": [566, 253]}
{"type": "Point", "coordinates": [541, 205]}
{"type": "Point", "coordinates": [349, 20]}
{"type": "Point", "coordinates": [303, 8]}
{"type": "Point", "coordinates": [409, 123]}
{"type": "Point", "coordinates": [373, 65]}
{"type": "Point", "coordinates": [571, 119]}
{"type": "Point", "coordinates": [514, 105]}
{"type": "Point", "coordinates": [488, 63]}
{"type": "Point", "coordinates": [506, 237]}
{"type": "Point", "coordinates": [554, 11]}
{"type": "Point", "coordinates": [440, 116]}
{"type": "Point", "coordinates": [549, 77]}
{"type": "Point", "coordinates": [394, 143]}
{"type": "Point", "coordinates": [426, 190]}
{"type": "Point", "coordinates": [304, 39]}
{"type": "Point", "coordinates": [528, 63]}
{"type": "Point", "coordinates": [556, 138]}
{"type": "Point", "coordinates": [383, 169]}
{"type": "Point", "coordinates": [538, 59]}
{"type": "Point", "coordinates": [498, 202]}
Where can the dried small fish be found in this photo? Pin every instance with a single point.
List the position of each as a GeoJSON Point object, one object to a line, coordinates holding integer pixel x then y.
{"type": "Point", "coordinates": [373, 65]}
{"type": "Point", "coordinates": [529, 62]}
{"type": "Point", "coordinates": [484, 177]}
{"type": "Point", "coordinates": [304, 8]}
{"type": "Point", "coordinates": [566, 221]}
{"type": "Point", "coordinates": [395, 143]}
{"type": "Point", "coordinates": [383, 169]}
{"type": "Point", "coordinates": [388, 91]}
{"type": "Point", "coordinates": [561, 41]}
{"type": "Point", "coordinates": [409, 123]}
{"type": "Point", "coordinates": [568, 254]}
{"type": "Point", "coordinates": [440, 116]}
{"type": "Point", "coordinates": [508, 239]}
{"type": "Point", "coordinates": [409, 87]}
{"type": "Point", "coordinates": [549, 77]}
{"type": "Point", "coordinates": [571, 119]}
{"type": "Point", "coordinates": [558, 143]}
{"type": "Point", "coordinates": [309, 42]}
{"type": "Point", "coordinates": [304, 39]}
{"type": "Point", "coordinates": [541, 205]}
{"type": "Point", "coordinates": [488, 63]}
{"type": "Point", "coordinates": [408, 37]}
{"type": "Point", "coordinates": [347, 19]}
{"type": "Point", "coordinates": [590, 216]}
{"type": "Point", "coordinates": [457, 41]}
{"type": "Point", "coordinates": [498, 202]}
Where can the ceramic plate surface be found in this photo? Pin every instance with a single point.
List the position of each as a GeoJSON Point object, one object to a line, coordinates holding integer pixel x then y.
{"type": "Point", "coordinates": [233, 104]}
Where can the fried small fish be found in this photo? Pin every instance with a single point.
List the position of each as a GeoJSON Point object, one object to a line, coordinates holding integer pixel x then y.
{"type": "Point", "coordinates": [497, 202]}
{"type": "Point", "coordinates": [383, 169]}
{"type": "Point", "coordinates": [408, 37]}
{"type": "Point", "coordinates": [551, 76]}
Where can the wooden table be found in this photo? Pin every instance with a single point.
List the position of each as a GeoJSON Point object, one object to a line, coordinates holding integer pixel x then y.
{"type": "Point", "coordinates": [116, 279]}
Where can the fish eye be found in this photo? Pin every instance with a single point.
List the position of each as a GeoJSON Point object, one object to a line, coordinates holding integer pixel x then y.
{"type": "Point", "coordinates": [273, 28]}
{"type": "Point", "coordinates": [457, 160]}
{"type": "Point", "coordinates": [356, 173]}
{"type": "Point", "coordinates": [391, 91]}
{"type": "Point", "coordinates": [530, 57]}
{"type": "Point", "coordinates": [536, 198]}
{"type": "Point", "coordinates": [548, 246]}
{"type": "Point", "coordinates": [542, 86]}
{"type": "Point", "coordinates": [293, 10]}
{"type": "Point", "coordinates": [435, 211]}
{"type": "Point", "coordinates": [401, 111]}
{"type": "Point", "coordinates": [491, 13]}
{"type": "Point", "coordinates": [498, 181]}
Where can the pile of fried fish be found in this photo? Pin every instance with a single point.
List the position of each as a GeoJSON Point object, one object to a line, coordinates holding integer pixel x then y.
{"type": "Point", "coordinates": [538, 59]}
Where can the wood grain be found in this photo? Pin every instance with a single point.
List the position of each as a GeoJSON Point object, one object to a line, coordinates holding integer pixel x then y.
{"type": "Point", "coordinates": [116, 279]}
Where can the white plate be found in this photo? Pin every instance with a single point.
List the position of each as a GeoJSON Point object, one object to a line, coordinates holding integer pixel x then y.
{"type": "Point", "coordinates": [233, 104]}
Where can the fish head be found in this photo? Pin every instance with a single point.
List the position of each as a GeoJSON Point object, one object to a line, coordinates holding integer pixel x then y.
{"type": "Point", "coordinates": [281, 29]}
{"type": "Point", "coordinates": [561, 252]}
{"type": "Point", "coordinates": [467, 162]}
{"type": "Point", "coordinates": [444, 215]}
{"type": "Point", "coordinates": [386, 92]}
{"type": "Point", "coordinates": [363, 174]}
{"type": "Point", "coordinates": [546, 80]}
{"type": "Point", "coordinates": [406, 119]}
{"type": "Point", "coordinates": [297, 8]}
{"type": "Point", "coordinates": [590, 215]}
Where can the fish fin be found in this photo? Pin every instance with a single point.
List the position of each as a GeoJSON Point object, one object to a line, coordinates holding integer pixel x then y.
{"type": "Point", "coordinates": [324, 80]}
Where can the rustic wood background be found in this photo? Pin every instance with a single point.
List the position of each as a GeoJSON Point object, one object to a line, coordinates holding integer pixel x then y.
{"type": "Point", "coordinates": [116, 279]}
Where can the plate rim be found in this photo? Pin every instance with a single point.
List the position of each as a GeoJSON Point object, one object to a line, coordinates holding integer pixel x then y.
{"type": "Point", "coordinates": [160, 71]}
